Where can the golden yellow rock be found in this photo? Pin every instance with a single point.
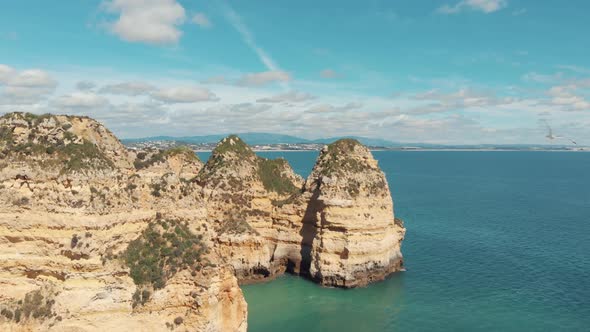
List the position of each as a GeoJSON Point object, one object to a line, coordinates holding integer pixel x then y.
{"type": "Point", "coordinates": [356, 238]}
{"type": "Point", "coordinates": [96, 237]}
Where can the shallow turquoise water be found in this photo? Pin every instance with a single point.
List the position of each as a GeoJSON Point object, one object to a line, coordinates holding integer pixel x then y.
{"type": "Point", "coordinates": [496, 241]}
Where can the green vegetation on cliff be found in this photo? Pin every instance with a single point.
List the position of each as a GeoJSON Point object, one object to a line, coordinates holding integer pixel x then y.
{"type": "Point", "coordinates": [142, 161]}
{"type": "Point", "coordinates": [163, 248]}
{"type": "Point", "coordinates": [229, 153]}
{"type": "Point", "coordinates": [271, 173]}
{"type": "Point", "coordinates": [233, 144]}
{"type": "Point", "coordinates": [34, 306]}
{"type": "Point", "coordinates": [338, 158]}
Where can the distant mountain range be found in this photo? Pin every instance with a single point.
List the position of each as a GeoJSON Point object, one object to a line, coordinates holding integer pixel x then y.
{"type": "Point", "coordinates": [261, 139]}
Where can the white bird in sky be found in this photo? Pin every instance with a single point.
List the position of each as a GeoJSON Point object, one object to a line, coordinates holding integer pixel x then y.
{"type": "Point", "coordinates": [551, 136]}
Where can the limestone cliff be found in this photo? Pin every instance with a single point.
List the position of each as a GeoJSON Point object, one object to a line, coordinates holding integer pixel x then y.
{"type": "Point", "coordinates": [73, 203]}
{"type": "Point", "coordinates": [94, 236]}
{"type": "Point", "coordinates": [239, 189]}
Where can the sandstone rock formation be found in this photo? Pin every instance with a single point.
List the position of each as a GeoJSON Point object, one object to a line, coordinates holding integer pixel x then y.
{"type": "Point", "coordinates": [94, 236]}
{"type": "Point", "coordinates": [72, 203]}
{"type": "Point", "coordinates": [357, 239]}
{"type": "Point", "coordinates": [239, 189]}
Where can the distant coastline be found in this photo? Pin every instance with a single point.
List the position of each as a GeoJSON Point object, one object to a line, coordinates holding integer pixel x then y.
{"type": "Point", "coordinates": [261, 142]}
{"type": "Point", "coordinates": [303, 147]}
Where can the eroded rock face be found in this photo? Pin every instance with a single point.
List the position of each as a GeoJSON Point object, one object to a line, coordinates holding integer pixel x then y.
{"type": "Point", "coordinates": [71, 275]}
{"type": "Point", "coordinates": [350, 210]}
{"type": "Point", "coordinates": [240, 189]}
{"type": "Point", "coordinates": [72, 202]}
{"type": "Point", "coordinates": [96, 237]}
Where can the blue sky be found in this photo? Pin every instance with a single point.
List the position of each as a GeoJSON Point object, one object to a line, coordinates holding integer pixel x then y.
{"type": "Point", "coordinates": [453, 71]}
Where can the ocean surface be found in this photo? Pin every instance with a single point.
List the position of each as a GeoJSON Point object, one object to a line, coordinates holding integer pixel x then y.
{"type": "Point", "coordinates": [496, 241]}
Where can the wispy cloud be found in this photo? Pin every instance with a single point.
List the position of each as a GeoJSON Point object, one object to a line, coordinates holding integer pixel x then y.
{"type": "Point", "coordinates": [519, 12]}
{"type": "Point", "coordinates": [291, 97]}
{"type": "Point", "coordinates": [329, 73]}
{"type": "Point", "coordinates": [264, 78]}
{"type": "Point", "coordinates": [542, 78]}
{"type": "Point", "coordinates": [202, 20]}
{"type": "Point", "coordinates": [486, 6]}
{"type": "Point", "coordinates": [236, 21]}
{"type": "Point", "coordinates": [575, 69]}
{"type": "Point", "coordinates": [24, 87]}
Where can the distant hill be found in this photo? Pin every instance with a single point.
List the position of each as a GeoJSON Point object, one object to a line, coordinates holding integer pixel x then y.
{"type": "Point", "coordinates": [260, 139]}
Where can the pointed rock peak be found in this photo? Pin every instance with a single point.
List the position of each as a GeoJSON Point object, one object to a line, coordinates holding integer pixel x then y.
{"type": "Point", "coordinates": [345, 156]}
{"type": "Point", "coordinates": [345, 145]}
{"type": "Point", "coordinates": [278, 176]}
{"type": "Point", "coordinates": [233, 144]}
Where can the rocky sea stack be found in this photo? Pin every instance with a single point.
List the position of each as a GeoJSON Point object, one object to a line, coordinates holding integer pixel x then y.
{"type": "Point", "coordinates": [357, 239]}
{"type": "Point", "coordinates": [94, 236]}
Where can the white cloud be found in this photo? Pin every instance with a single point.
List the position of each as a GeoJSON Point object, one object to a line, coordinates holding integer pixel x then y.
{"type": "Point", "coordinates": [329, 73]}
{"type": "Point", "coordinates": [327, 108]}
{"type": "Point", "coordinates": [6, 73]}
{"type": "Point", "coordinates": [291, 96]}
{"type": "Point", "coordinates": [183, 95]}
{"type": "Point", "coordinates": [202, 20]}
{"type": "Point", "coordinates": [263, 78]}
{"type": "Point", "coordinates": [575, 69]}
{"type": "Point", "coordinates": [24, 87]}
{"type": "Point", "coordinates": [463, 98]}
{"type": "Point", "coordinates": [85, 85]}
{"type": "Point", "coordinates": [128, 88]}
{"type": "Point", "coordinates": [542, 78]}
{"type": "Point", "coordinates": [32, 78]}
{"type": "Point", "coordinates": [485, 6]}
{"type": "Point", "coordinates": [80, 100]}
{"type": "Point", "coordinates": [462, 112]}
{"type": "Point", "coordinates": [147, 21]}
{"type": "Point", "coordinates": [218, 79]}
{"type": "Point", "coordinates": [567, 98]}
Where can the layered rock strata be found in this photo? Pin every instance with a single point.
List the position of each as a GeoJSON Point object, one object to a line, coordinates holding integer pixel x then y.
{"type": "Point", "coordinates": [94, 236]}
{"type": "Point", "coordinates": [73, 200]}
{"type": "Point", "coordinates": [357, 240]}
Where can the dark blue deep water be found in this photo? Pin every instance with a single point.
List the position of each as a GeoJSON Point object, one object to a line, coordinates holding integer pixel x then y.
{"type": "Point", "coordinates": [496, 241]}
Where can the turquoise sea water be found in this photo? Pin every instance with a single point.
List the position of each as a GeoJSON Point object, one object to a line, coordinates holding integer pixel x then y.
{"type": "Point", "coordinates": [496, 241]}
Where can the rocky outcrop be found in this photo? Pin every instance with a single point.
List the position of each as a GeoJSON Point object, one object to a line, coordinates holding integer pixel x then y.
{"type": "Point", "coordinates": [95, 237]}
{"type": "Point", "coordinates": [239, 189]}
{"type": "Point", "coordinates": [356, 238]}
{"type": "Point", "coordinates": [60, 273]}
{"type": "Point", "coordinates": [73, 201]}
{"type": "Point", "coordinates": [180, 161]}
